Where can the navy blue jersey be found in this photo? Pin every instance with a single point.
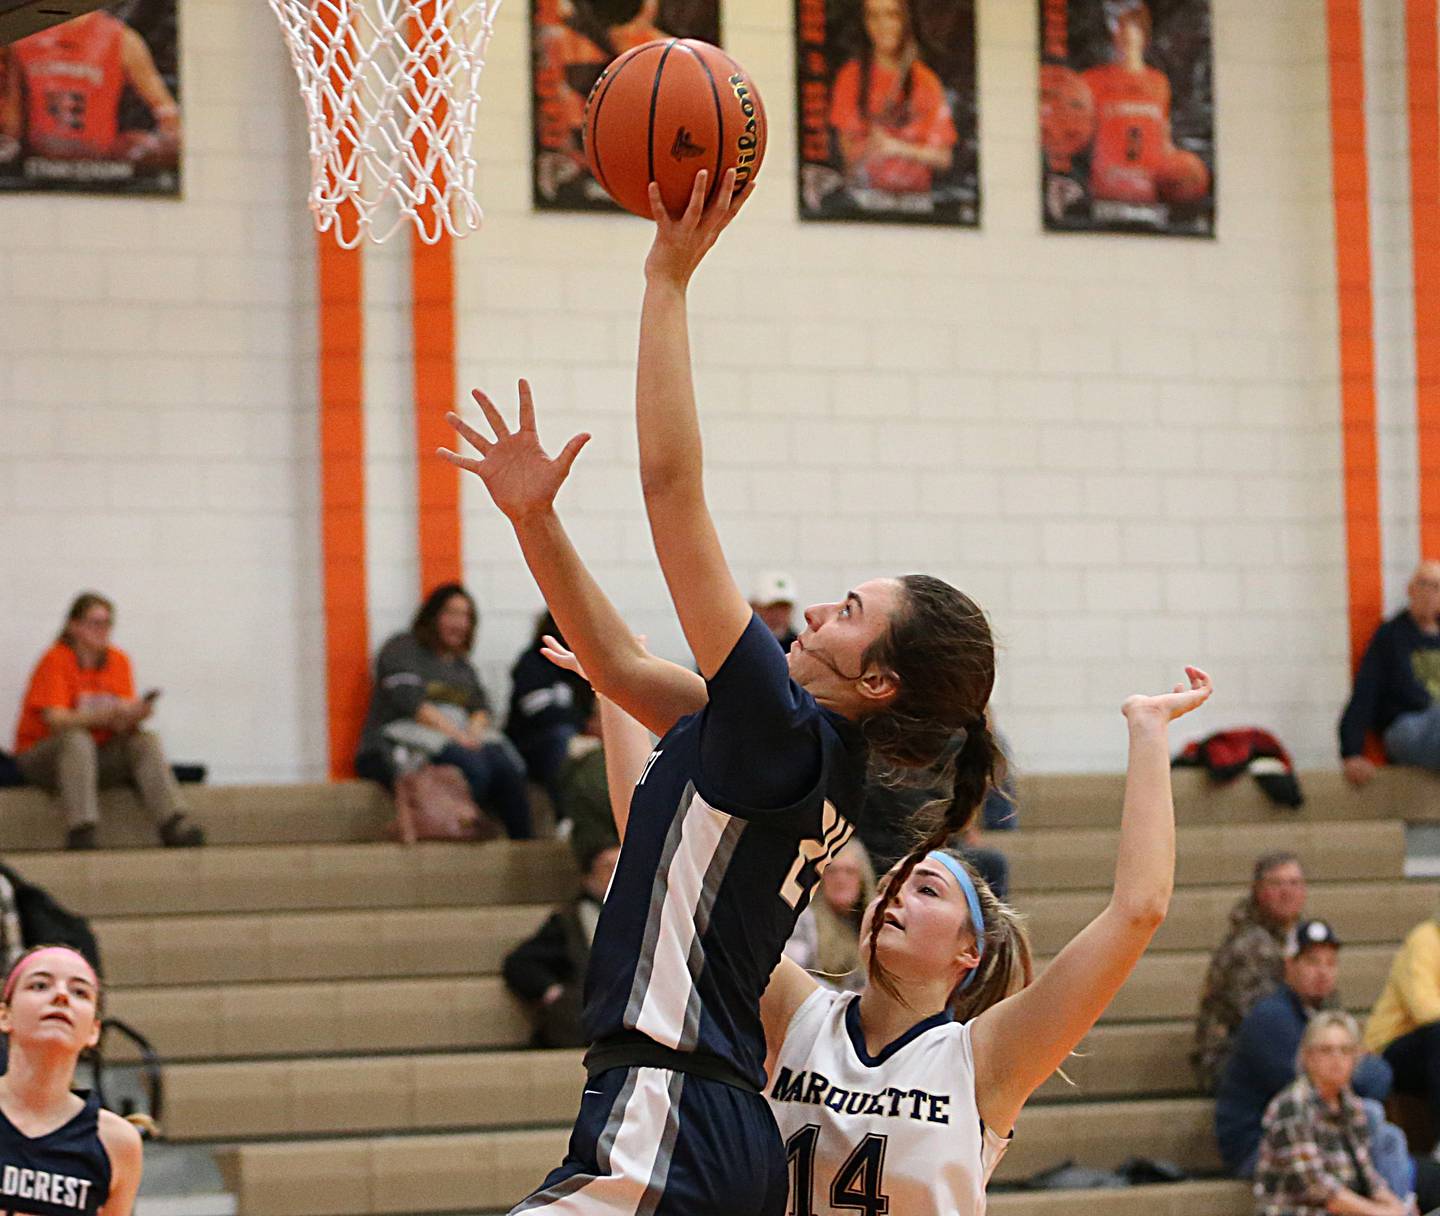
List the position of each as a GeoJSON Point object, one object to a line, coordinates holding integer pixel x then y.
{"type": "Point", "coordinates": [740, 808]}
{"type": "Point", "coordinates": [62, 1173]}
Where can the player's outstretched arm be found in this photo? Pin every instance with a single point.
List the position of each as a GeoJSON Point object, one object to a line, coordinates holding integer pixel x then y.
{"type": "Point", "coordinates": [523, 481]}
{"type": "Point", "coordinates": [627, 743]}
{"type": "Point", "coordinates": [1019, 1042]}
{"type": "Point", "coordinates": [712, 611]}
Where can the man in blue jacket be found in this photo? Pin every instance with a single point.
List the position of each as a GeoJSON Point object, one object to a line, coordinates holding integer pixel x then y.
{"type": "Point", "coordinates": [1267, 1046]}
{"type": "Point", "coordinates": [1397, 688]}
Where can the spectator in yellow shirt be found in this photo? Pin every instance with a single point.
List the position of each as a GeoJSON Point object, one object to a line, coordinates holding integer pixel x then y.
{"type": "Point", "coordinates": [1404, 1026]}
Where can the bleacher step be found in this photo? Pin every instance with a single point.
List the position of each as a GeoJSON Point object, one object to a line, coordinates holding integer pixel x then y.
{"type": "Point", "coordinates": [1093, 800]}
{"type": "Point", "coordinates": [277, 878]}
{"type": "Point", "coordinates": [328, 1017]}
{"type": "Point", "coordinates": [1067, 859]}
{"type": "Point", "coordinates": [460, 1171]}
{"type": "Point", "coordinates": [1368, 912]}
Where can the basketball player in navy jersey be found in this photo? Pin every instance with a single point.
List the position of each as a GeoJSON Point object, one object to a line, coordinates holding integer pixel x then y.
{"type": "Point", "coordinates": [60, 1154]}
{"type": "Point", "coordinates": [752, 788]}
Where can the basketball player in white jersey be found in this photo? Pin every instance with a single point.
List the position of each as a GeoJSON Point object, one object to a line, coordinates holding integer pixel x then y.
{"type": "Point", "coordinates": [905, 1100]}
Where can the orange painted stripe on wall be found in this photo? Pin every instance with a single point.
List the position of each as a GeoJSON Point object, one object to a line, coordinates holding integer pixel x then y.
{"type": "Point", "coordinates": [1356, 310]}
{"type": "Point", "coordinates": [1422, 50]}
{"type": "Point", "coordinates": [342, 498]}
{"type": "Point", "coordinates": [433, 304]}
{"type": "Point", "coordinates": [342, 468]}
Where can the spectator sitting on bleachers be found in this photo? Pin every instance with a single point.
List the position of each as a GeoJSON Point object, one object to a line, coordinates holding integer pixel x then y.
{"type": "Point", "coordinates": [548, 707]}
{"type": "Point", "coordinates": [774, 603]}
{"type": "Point", "coordinates": [80, 730]}
{"type": "Point", "coordinates": [1265, 1050]}
{"type": "Point", "coordinates": [1397, 688]}
{"type": "Point", "coordinates": [826, 940]}
{"type": "Point", "coordinates": [1315, 1153]}
{"type": "Point", "coordinates": [1404, 1025]}
{"type": "Point", "coordinates": [429, 703]}
{"type": "Point", "coordinates": [1250, 962]}
{"type": "Point", "coordinates": [548, 970]}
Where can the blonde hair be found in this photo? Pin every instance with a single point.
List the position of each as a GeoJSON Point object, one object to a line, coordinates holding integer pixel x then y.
{"type": "Point", "coordinates": [1006, 964]}
{"type": "Point", "coordinates": [837, 937]}
{"type": "Point", "coordinates": [1326, 1019]}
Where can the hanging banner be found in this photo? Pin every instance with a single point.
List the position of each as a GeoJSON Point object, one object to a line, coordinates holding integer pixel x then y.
{"type": "Point", "coordinates": [1127, 116]}
{"type": "Point", "coordinates": [886, 103]}
{"type": "Point", "coordinates": [571, 43]}
{"type": "Point", "coordinates": [92, 105]}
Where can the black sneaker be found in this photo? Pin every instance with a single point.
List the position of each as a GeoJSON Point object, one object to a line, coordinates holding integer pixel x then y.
{"type": "Point", "coordinates": [177, 832]}
{"type": "Point", "coordinates": [82, 837]}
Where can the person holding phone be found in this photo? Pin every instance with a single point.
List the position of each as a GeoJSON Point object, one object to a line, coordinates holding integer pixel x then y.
{"type": "Point", "coordinates": [81, 730]}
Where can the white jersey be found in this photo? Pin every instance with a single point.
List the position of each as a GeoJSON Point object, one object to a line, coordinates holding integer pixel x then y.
{"type": "Point", "coordinates": [898, 1132]}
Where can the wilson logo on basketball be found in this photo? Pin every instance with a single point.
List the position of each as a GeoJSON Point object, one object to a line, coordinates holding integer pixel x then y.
{"type": "Point", "coordinates": [749, 141]}
{"type": "Point", "coordinates": [685, 148]}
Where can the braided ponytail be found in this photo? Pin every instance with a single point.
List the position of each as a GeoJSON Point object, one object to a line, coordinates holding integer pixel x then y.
{"type": "Point", "coordinates": [975, 767]}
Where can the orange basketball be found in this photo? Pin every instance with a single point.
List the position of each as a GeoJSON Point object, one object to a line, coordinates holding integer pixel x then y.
{"type": "Point", "coordinates": [665, 110]}
{"type": "Point", "coordinates": [1182, 177]}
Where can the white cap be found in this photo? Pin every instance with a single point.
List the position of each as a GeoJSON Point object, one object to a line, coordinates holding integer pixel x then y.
{"type": "Point", "coordinates": [773, 587]}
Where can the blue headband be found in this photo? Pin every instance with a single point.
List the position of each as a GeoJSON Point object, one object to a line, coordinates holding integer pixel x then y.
{"type": "Point", "coordinates": [977, 919]}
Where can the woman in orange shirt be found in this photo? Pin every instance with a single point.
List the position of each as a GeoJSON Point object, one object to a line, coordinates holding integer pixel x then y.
{"type": "Point", "coordinates": [889, 110]}
{"type": "Point", "coordinates": [80, 732]}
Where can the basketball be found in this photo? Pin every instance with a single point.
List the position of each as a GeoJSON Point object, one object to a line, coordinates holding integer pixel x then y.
{"type": "Point", "coordinates": [665, 110]}
{"type": "Point", "coordinates": [1182, 177]}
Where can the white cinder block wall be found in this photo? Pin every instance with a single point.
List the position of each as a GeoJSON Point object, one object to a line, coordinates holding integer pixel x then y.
{"type": "Point", "coordinates": [157, 419]}
{"type": "Point", "coordinates": [1127, 449]}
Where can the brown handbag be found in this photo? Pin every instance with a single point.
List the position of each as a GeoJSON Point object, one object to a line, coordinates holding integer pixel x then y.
{"type": "Point", "coordinates": [433, 802]}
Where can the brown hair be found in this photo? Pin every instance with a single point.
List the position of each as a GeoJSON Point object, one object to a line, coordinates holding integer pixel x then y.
{"type": "Point", "coordinates": [82, 604]}
{"type": "Point", "coordinates": [940, 650]}
{"type": "Point", "coordinates": [425, 626]}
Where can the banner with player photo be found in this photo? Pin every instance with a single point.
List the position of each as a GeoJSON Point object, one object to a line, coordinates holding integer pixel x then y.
{"type": "Point", "coordinates": [1127, 116]}
{"type": "Point", "coordinates": [571, 43]}
{"type": "Point", "coordinates": [93, 105]}
{"type": "Point", "coordinates": [889, 128]}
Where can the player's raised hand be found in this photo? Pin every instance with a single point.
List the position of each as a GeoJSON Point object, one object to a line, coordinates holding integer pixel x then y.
{"type": "Point", "coordinates": [1167, 706]}
{"type": "Point", "coordinates": [681, 243]}
{"type": "Point", "coordinates": [521, 478]}
{"type": "Point", "coordinates": [561, 655]}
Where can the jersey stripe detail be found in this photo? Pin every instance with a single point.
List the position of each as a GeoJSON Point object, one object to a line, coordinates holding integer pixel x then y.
{"type": "Point", "coordinates": [714, 876]}
{"type": "Point", "coordinates": [645, 965]}
{"type": "Point", "coordinates": [693, 846]}
{"type": "Point", "coordinates": [638, 1143]}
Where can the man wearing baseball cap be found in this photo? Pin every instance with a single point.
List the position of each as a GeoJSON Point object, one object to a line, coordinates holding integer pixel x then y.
{"type": "Point", "coordinates": [774, 603]}
{"type": "Point", "coordinates": [1267, 1045]}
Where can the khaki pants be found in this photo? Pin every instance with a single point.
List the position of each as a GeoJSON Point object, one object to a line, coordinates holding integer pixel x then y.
{"type": "Point", "coordinates": [71, 765]}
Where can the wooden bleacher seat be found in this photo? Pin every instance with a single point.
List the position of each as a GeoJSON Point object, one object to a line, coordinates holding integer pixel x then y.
{"type": "Point", "coordinates": [336, 1030]}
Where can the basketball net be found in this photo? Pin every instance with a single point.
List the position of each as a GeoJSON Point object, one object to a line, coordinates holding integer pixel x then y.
{"type": "Point", "coordinates": [392, 95]}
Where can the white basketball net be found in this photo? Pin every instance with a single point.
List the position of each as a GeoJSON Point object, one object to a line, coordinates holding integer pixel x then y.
{"type": "Point", "coordinates": [392, 93]}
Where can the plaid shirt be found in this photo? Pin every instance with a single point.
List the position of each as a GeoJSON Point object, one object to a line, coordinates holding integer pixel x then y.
{"type": "Point", "coordinates": [1303, 1158]}
{"type": "Point", "coordinates": [1249, 964]}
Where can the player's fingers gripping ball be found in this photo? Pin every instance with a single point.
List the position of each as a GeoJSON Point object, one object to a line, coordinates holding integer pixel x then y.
{"type": "Point", "coordinates": [665, 110]}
